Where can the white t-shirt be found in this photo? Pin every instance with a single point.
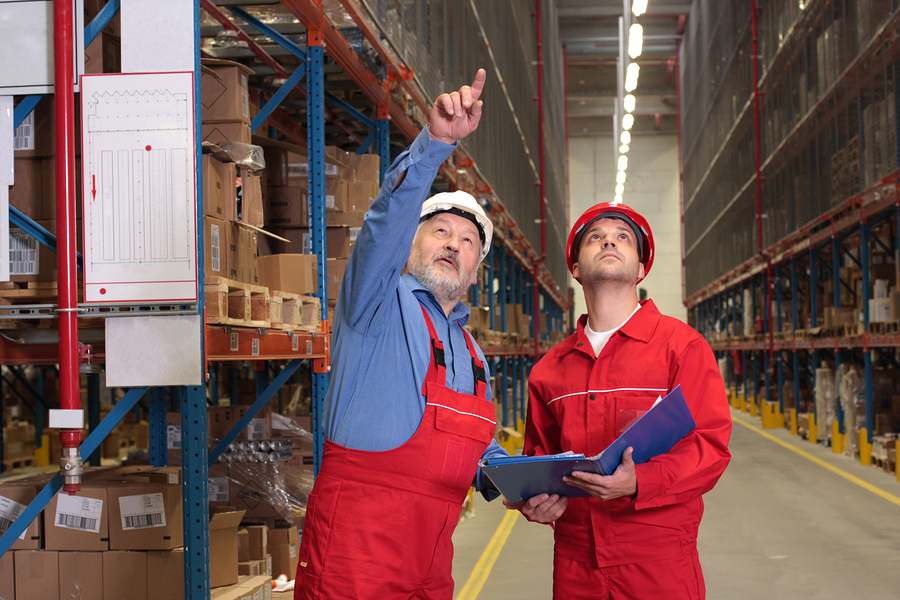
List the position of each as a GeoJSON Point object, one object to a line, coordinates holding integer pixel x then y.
{"type": "Point", "coordinates": [598, 340]}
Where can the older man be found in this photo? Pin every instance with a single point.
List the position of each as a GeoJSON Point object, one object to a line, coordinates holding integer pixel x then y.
{"type": "Point", "coordinates": [408, 413]}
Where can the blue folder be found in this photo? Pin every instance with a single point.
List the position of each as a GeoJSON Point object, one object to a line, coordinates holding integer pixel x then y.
{"type": "Point", "coordinates": [656, 432]}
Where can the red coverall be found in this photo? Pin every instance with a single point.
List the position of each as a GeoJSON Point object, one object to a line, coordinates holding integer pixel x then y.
{"type": "Point", "coordinates": [580, 403]}
{"type": "Point", "coordinates": [402, 504]}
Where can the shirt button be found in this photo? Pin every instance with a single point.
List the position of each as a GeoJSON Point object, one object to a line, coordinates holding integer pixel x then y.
{"type": "Point", "coordinates": [421, 150]}
{"type": "Point", "coordinates": [431, 156]}
{"type": "Point", "coordinates": [593, 396]}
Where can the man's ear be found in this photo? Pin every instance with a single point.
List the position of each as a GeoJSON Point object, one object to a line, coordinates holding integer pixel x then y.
{"type": "Point", "coordinates": [575, 272]}
{"type": "Point", "coordinates": [640, 271]}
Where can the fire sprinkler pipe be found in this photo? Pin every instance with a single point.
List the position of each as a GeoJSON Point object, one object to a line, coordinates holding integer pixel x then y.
{"type": "Point", "coordinates": [540, 100]}
{"type": "Point", "coordinates": [67, 419]}
{"type": "Point", "coordinates": [759, 243]}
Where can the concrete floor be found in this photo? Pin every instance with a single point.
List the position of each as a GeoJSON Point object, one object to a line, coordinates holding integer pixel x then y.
{"type": "Point", "coordinates": [778, 526]}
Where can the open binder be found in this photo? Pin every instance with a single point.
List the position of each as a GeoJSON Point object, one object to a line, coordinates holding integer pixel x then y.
{"type": "Point", "coordinates": [656, 432]}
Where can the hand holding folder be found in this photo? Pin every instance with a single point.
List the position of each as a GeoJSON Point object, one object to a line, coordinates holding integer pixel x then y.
{"type": "Point", "coordinates": [521, 477]}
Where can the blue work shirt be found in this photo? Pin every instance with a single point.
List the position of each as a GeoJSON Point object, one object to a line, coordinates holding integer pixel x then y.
{"type": "Point", "coordinates": [380, 345]}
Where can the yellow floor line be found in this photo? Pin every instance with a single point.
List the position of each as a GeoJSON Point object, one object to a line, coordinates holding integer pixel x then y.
{"type": "Point", "coordinates": [483, 568]}
{"type": "Point", "coordinates": [851, 478]}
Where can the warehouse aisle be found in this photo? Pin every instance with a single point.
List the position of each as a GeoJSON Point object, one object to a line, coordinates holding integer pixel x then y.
{"type": "Point", "coordinates": [780, 525]}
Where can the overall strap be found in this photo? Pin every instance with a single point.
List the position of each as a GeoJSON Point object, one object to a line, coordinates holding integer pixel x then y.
{"type": "Point", "coordinates": [478, 371]}
{"type": "Point", "coordinates": [436, 365]}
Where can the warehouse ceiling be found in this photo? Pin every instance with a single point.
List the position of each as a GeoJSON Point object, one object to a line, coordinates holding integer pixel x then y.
{"type": "Point", "coordinates": [589, 31]}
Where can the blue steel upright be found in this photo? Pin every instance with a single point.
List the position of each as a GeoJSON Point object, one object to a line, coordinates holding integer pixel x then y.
{"type": "Point", "coordinates": [315, 134]}
{"type": "Point", "coordinates": [194, 491]}
{"type": "Point", "coordinates": [864, 258]}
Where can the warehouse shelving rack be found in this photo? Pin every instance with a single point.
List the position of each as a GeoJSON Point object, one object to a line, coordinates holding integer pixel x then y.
{"type": "Point", "coordinates": [522, 277]}
{"type": "Point", "coordinates": [822, 195]}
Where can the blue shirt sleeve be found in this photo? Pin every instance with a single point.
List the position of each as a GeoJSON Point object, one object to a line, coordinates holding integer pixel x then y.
{"type": "Point", "coordinates": [482, 483]}
{"type": "Point", "coordinates": [383, 245]}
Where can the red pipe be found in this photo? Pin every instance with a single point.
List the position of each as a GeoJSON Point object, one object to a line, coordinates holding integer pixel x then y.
{"type": "Point", "coordinates": [540, 99]}
{"type": "Point", "coordinates": [64, 89]}
{"type": "Point", "coordinates": [759, 243]}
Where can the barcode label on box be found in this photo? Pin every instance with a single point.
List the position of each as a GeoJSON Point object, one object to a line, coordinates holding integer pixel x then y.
{"type": "Point", "coordinates": [354, 231]}
{"type": "Point", "coordinates": [218, 489]}
{"type": "Point", "coordinates": [142, 511]}
{"type": "Point", "coordinates": [23, 253]}
{"type": "Point", "coordinates": [293, 551]}
{"type": "Point", "coordinates": [256, 429]}
{"type": "Point", "coordinates": [173, 437]}
{"type": "Point", "coordinates": [23, 138]}
{"type": "Point", "coordinates": [329, 201]}
{"type": "Point", "coordinates": [9, 512]}
{"type": "Point", "coordinates": [214, 247]}
{"type": "Point", "coordinates": [78, 512]}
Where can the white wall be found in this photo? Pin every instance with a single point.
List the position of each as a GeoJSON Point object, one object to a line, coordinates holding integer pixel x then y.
{"type": "Point", "coordinates": [651, 189]}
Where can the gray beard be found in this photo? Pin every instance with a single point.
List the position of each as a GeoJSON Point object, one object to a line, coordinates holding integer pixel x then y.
{"type": "Point", "coordinates": [444, 286]}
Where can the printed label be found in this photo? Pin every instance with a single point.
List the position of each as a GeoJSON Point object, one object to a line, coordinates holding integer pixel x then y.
{"type": "Point", "coordinates": [78, 512]}
{"type": "Point", "coordinates": [142, 511]}
{"type": "Point", "coordinates": [256, 429]}
{"type": "Point", "coordinates": [23, 137]}
{"type": "Point", "coordinates": [24, 257]}
{"type": "Point", "coordinates": [255, 347]}
{"type": "Point", "coordinates": [235, 342]}
{"type": "Point", "coordinates": [293, 551]}
{"type": "Point", "coordinates": [9, 512]}
{"type": "Point", "coordinates": [218, 489]}
{"type": "Point", "coordinates": [354, 231]}
{"type": "Point", "coordinates": [295, 343]}
{"type": "Point", "coordinates": [173, 437]}
{"type": "Point", "coordinates": [214, 248]}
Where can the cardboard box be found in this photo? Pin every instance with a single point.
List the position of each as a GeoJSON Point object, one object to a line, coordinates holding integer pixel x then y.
{"type": "Point", "coordinates": [366, 167]}
{"type": "Point", "coordinates": [215, 186]}
{"type": "Point", "coordinates": [145, 516]}
{"type": "Point", "coordinates": [225, 92]}
{"type": "Point", "coordinates": [361, 195]}
{"type": "Point", "coordinates": [223, 547]}
{"type": "Point", "coordinates": [260, 426]}
{"type": "Point", "coordinates": [243, 545]}
{"type": "Point", "coordinates": [345, 219]}
{"type": "Point", "coordinates": [219, 421]}
{"type": "Point", "coordinates": [36, 134]}
{"type": "Point", "coordinates": [165, 573]}
{"type": "Point", "coordinates": [218, 485]}
{"type": "Point", "coordinates": [249, 568]}
{"type": "Point", "coordinates": [235, 131]}
{"type": "Point", "coordinates": [79, 522]}
{"type": "Point", "coordinates": [258, 540]}
{"type": "Point", "coordinates": [125, 575]}
{"type": "Point", "coordinates": [29, 194]}
{"type": "Point", "coordinates": [14, 499]}
{"type": "Point", "coordinates": [7, 575]}
{"type": "Point", "coordinates": [104, 54]}
{"type": "Point", "coordinates": [249, 203]}
{"type": "Point", "coordinates": [287, 206]}
{"type": "Point", "coordinates": [37, 575]}
{"type": "Point", "coordinates": [246, 268]}
{"type": "Point", "coordinates": [259, 588]}
{"type": "Point", "coordinates": [81, 576]}
{"type": "Point", "coordinates": [339, 241]}
{"type": "Point", "coordinates": [335, 272]}
{"type": "Point", "coordinates": [284, 548]}
{"type": "Point", "coordinates": [293, 273]}
{"type": "Point", "coordinates": [218, 260]}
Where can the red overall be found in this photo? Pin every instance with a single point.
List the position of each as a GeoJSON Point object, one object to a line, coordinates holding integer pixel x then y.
{"type": "Point", "coordinates": [379, 524]}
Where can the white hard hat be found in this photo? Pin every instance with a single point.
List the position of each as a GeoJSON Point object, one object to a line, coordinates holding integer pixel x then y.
{"type": "Point", "coordinates": [465, 205]}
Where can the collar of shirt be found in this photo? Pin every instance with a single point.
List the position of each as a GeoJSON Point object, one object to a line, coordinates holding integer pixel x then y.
{"type": "Point", "coordinates": [640, 327]}
{"type": "Point", "coordinates": [459, 313]}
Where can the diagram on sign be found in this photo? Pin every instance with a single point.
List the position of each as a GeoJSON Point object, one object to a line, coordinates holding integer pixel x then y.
{"type": "Point", "coordinates": [139, 199]}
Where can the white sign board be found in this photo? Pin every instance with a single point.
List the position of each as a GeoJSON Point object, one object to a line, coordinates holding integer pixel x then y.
{"type": "Point", "coordinates": [139, 189]}
{"type": "Point", "coordinates": [26, 28]}
{"type": "Point", "coordinates": [154, 350]}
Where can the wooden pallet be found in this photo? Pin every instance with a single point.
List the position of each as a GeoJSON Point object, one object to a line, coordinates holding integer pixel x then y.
{"type": "Point", "coordinates": [294, 311]}
{"type": "Point", "coordinates": [230, 302]}
{"type": "Point", "coordinates": [18, 463]}
{"type": "Point", "coordinates": [888, 328]}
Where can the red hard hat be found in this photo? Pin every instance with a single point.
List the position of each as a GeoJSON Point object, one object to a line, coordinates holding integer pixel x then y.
{"type": "Point", "coordinates": [611, 210]}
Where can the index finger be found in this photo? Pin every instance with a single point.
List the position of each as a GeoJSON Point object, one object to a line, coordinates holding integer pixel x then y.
{"type": "Point", "coordinates": [478, 84]}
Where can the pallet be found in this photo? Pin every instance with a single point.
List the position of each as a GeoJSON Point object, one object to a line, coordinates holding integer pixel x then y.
{"type": "Point", "coordinates": [18, 463]}
{"type": "Point", "coordinates": [885, 328]}
{"type": "Point", "coordinates": [230, 302]}
{"type": "Point", "coordinates": [294, 312]}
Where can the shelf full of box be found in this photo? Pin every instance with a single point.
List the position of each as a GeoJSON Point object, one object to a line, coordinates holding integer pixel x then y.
{"type": "Point", "coordinates": [796, 339]}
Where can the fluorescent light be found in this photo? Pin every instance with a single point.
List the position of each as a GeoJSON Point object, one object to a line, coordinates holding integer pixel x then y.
{"type": "Point", "coordinates": [635, 40]}
{"type": "Point", "coordinates": [620, 177]}
{"type": "Point", "coordinates": [623, 162]}
{"type": "Point", "coordinates": [623, 149]}
{"type": "Point", "coordinates": [625, 138]}
{"type": "Point", "coordinates": [631, 77]}
{"type": "Point", "coordinates": [638, 7]}
{"type": "Point", "coordinates": [620, 189]}
{"type": "Point", "coordinates": [617, 199]}
{"type": "Point", "coordinates": [629, 103]}
{"type": "Point", "coordinates": [627, 122]}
